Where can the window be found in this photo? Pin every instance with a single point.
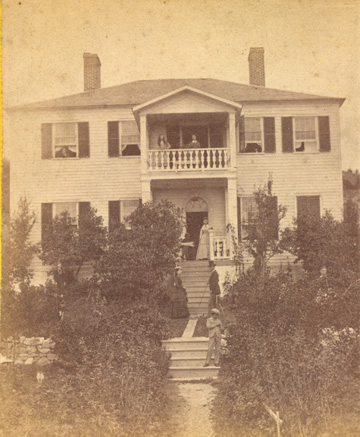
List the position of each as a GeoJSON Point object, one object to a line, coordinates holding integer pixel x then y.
{"type": "Point", "coordinates": [123, 138]}
{"type": "Point", "coordinates": [248, 214]}
{"type": "Point", "coordinates": [119, 210]}
{"type": "Point", "coordinates": [308, 205]}
{"type": "Point", "coordinates": [65, 140]}
{"type": "Point", "coordinates": [69, 207]}
{"type": "Point", "coordinates": [257, 134]}
{"type": "Point", "coordinates": [249, 210]}
{"type": "Point", "coordinates": [49, 211]}
{"type": "Point", "coordinates": [305, 134]}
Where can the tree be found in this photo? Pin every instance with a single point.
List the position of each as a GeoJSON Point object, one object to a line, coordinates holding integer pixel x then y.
{"type": "Point", "coordinates": [262, 241]}
{"type": "Point", "coordinates": [324, 241]}
{"type": "Point", "coordinates": [139, 255]}
{"type": "Point", "coordinates": [73, 245]}
{"type": "Point", "coordinates": [17, 250]}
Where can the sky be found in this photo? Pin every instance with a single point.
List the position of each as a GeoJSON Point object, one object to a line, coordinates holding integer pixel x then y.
{"type": "Point", "coordinates": [311, 46]}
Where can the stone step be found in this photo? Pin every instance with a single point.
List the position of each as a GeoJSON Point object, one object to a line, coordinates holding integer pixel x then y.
{"type": "Point", "coordinates": [196, 282]}
{"type": "Point", "coordinates": [214, 378]}
{"type": "Point", "coordinates": [195, 294]}
{"type": "Point", "coordinates": [185, 343]}
{"type": "Point", "coordinates": [188, 353]}
{"type": "Point", "coordinates": [191, 373]}
{"type": "Point", "coordinates": [191, 362]}
{"type": "Point", "coordinates": [194, 262]}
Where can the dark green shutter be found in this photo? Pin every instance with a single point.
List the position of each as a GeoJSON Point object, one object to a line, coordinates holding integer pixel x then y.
{"type": "Point", "coordinates": [287, 134]}
{"type": "Point", "coordinates": [46, 220]}
{"type": "Point", "coordinates": [273, 218]}
{"type": "Point", "coordinates": [84, 140]}
{"type": "Point", "coordinates": [113, 138]}
{"type": "Point", "coordinates": [324, 134]}
{"type": "Point", "coordinates": [46, 141]}
{"type": "Point", "coordinates": [241, 134]}
{"type": "Point", "coordinates": [114, 214]}
{"type": "Point", "coordinates": [239, 217]}
{"type": "Point", "coordinates": [269, 134]}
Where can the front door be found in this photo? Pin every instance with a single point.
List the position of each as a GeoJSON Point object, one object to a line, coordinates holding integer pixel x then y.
{"type": "Point", "coordinates": [194, 221]}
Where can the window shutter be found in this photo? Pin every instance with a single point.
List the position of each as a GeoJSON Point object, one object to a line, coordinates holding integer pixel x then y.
{"type": "Point", "coordinates": [241, 134]}
{"type": "Point", "coordinates": [324, 134]}
{"type": "Point", "coordinates": [287, 134]}
{"type": "Point", "coordinates": [273, 219]}
{"type": "Point", "coordinates": [239, 217]}
{"type": "Point", "coordinates": [46, 141]}
{"type": "Point", "coordinates": [84, 208]}
{"type": "Point", "coordinates": [113, 138]}
{"type": "Point", "coordinates": [269, 134]}
{"type": "Point", "coordinates": [84, 140]}
{"type": "Point", "coordinates": [114, 214]}
{"type": "Point", "coordinates": [46, 220]}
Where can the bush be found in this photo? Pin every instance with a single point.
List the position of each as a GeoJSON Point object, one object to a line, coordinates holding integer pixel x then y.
{"type": "Point", "coordinates": [294, 348]}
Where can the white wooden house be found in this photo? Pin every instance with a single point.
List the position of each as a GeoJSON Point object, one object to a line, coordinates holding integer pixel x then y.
{"type": "Point", "coordinates": [101, 146]}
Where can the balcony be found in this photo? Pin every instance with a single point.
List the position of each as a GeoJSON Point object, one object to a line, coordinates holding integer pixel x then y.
{"type": "Point", "coordinates": [174, 160]}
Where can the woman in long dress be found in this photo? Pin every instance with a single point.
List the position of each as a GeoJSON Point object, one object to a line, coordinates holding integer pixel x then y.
{"type": "Point", "coordinates": [203, 251]}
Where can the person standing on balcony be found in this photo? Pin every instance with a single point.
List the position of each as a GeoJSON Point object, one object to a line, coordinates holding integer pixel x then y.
{"type": "Point", "coordinates": [194, 143]}
{"type": "Point", "coordinates": [163, 145]}
{"type": "Point", "coordinates": [203, 251]}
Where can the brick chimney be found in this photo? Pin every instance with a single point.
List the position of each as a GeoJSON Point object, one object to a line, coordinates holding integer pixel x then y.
{"type": "Point", "coordinates": [92, 77]}
{"type": "Point", "coordinates": [256, 66]}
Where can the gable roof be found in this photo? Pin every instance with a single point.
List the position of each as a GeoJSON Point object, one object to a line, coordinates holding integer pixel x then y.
{"type": "Point", "coordinates": [141, 91]}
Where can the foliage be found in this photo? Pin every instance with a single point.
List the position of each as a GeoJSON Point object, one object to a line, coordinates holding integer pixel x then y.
{"type": "Point", "coordinates": [18, 250]}
{"type": "Point", "coordinates": [137, 259]}
{"type": "Point", "coordinates": [293, 347]}
{"type": "Point", "coordinates": [325, 241]}
{"type": "Point", "coordinates": [262, 240]}
{"type": "Point", "coordinates": [73, 245]}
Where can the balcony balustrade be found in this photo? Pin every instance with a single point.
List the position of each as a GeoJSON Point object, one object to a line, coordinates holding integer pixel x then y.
{"type": "Point", "coordinates": [189, 159]}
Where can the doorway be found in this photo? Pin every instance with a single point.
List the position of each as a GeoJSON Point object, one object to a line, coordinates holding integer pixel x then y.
{"type": "Point", "coordinates": [194, 221]}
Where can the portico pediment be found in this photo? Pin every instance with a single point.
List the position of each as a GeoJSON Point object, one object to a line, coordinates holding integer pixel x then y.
{"type": "Point", "coordinates": [186, 100]}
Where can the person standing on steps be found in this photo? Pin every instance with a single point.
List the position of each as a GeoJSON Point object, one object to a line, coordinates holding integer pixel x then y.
{"type": "Point", "coordinates": [215, 327]}
{"type": "Point", "coordinates": [203, 251]}
{"type": "Point", "coordinates": [213, 285]}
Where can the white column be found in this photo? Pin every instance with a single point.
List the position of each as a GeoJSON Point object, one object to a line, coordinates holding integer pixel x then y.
{"type": "Point", "coordinates": [146, 193]}
{"type": "Point", "coordinates": [232, 140]}
{"type": "Point", "coordinates": [232, 204]}
{"type": "Point", "coordinates": [143, 144]}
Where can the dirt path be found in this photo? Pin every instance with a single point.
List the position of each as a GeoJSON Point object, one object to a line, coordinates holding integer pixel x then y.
{"type": "Point", "coordinates": [192, 410]}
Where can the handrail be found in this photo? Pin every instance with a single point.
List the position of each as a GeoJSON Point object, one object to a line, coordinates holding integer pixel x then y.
{"type": "Point", "coordinates": [189, 159]}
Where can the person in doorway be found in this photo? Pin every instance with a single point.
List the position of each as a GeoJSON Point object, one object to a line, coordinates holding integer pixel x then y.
{"type": "Point", "coordinates": [215, 327]}
{"type": "Point", "coordinates": [213, 285]}
{"type": "Point", "coordinates": [203, 250]}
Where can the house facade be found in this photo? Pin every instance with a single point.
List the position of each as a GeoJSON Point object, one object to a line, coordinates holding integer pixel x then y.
{"type": "Point", "coordinates": [203, 144]}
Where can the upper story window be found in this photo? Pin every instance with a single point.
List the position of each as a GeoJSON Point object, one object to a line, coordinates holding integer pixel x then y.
{"type": "Point", "coordinates": [123, 138]}
{"type": "Point", "coordinates": [65, 140]}
{"type": "Point", "coordinates": [257, 134]}
{"type": "Point", "coordinates": [305, 134]}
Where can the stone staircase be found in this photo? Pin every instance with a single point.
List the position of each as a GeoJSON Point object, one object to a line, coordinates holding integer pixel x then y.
{"type": "Point", "coordinates": [187, 359]}
{"type": "Point", "coordinates": [195, 276]}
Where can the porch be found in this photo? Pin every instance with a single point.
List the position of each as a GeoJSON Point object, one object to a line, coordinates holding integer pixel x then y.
{"type": "Point", "coordinates": [213, 199]}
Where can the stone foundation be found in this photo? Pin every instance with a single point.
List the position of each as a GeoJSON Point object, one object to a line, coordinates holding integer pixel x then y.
{"type": "Point", "coordinates": [34, 350]}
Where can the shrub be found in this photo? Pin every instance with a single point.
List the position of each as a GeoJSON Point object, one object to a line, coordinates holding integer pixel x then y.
{"type": "Point", "coordinates": [291, 348]}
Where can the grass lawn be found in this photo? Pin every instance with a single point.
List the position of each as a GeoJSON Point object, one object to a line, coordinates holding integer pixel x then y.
{"type": "Point", "coordinates": [177, 326]}
{"type": "Point", "coordinates": [201, 329]}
